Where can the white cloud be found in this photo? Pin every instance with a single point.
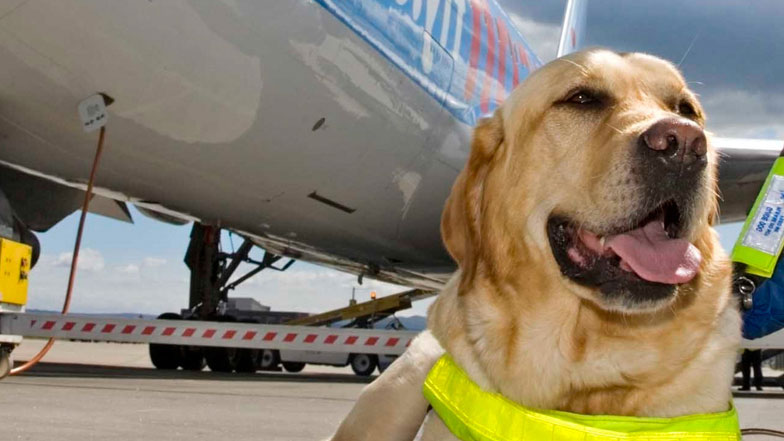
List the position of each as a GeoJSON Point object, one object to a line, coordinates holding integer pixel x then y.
{"type": "Point", "coordinates": [89, 260]}
{"type": "Point", "coordinates": [129, 269]}
{"type": "Point", "coordinates": [744, 114]}
{"type": "Point", "coordinates": [543, 37]}
{"type": "Point", "coordinates": [154, 261]}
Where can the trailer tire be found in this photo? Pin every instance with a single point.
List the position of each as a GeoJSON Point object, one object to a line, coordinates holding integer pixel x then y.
{"type": "Point", "coordinates": [166, 357]}
{"type": "Point", "coordinates": [293, 366]}
{"type": "Point", "coordinates": [269, 360]}
{"type": "Point", "coordinates": [364, 364]}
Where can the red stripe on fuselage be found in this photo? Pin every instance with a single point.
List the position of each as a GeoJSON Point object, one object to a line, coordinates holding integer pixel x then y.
{"type": "Point", "coordinates": [477, 7]}
{"type": "Point", "coordinates": [487, 84]}
{"type": "Point", "coordinates": [503, 44]}
{"type": "Point", "coordinates": [524, 58]}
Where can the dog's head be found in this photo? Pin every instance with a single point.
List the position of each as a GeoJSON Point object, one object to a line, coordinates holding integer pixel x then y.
{"type": "Point", "coordinates": [595, 172]}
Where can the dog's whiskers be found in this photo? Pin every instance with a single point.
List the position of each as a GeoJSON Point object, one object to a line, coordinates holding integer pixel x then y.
{"type": "Point", "coordinates": [614, 128]}
{"type": "Point", "coordinates": [583, 69]}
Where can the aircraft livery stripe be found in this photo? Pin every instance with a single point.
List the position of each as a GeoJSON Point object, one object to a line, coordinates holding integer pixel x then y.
{"type": "Point", "coordinates": [488, 83]}
{"type": "Point", "coordinates": [476, 44]}
{"type": "Point", "coordinates": [503, 41]}
{"type": "Point", "coordinates": [455, 50]}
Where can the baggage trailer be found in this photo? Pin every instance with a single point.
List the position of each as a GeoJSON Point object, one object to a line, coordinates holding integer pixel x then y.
{"type": "Point", "coordinates": [208, 335]}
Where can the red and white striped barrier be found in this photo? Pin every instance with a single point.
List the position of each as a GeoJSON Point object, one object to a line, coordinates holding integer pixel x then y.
{"type": "Point", "coordinates": [198, 333]}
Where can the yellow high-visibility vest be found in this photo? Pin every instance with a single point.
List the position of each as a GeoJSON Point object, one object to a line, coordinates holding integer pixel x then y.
{"type": "Point", "coordinates": [472, 414]}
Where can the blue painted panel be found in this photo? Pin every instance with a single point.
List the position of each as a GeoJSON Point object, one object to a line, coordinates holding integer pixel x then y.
{"type": "Point", "coordinates": [450, 48]}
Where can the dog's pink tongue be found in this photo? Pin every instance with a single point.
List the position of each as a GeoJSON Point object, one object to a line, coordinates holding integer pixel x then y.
{"type": "Point", "coordinates": [655, 257]}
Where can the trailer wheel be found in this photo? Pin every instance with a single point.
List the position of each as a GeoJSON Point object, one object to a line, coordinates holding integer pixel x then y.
{"type": "Point", "coordinates": [192, 358]}
{"type": "Point", "coordinates": [6, 362]}
{"type": "Point", "coordinates": [269, 359]}
{"type": "Point", "coordinates": [364, 364]}
{"type": "Point", "coordinates": [293, 366]}
{"type": "Point", "coordinates": [166, 356]}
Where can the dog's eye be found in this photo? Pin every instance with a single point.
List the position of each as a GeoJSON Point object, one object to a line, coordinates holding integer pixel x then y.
{"type": "Point", "coordinates": [686, 109]}
{"type": "Point", "coordinates": [582, 97]}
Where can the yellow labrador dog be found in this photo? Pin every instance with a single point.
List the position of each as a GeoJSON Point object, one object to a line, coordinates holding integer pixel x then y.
{"type": "Point", "coordinates": [590, 279]}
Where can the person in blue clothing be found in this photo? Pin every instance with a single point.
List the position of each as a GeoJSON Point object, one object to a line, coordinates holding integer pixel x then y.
{"type": "Point", "coordinates": [766, 316]}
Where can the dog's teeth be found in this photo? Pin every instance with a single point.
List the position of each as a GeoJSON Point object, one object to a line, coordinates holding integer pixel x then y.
{"type": "Point", "coordinates": [602, 240]}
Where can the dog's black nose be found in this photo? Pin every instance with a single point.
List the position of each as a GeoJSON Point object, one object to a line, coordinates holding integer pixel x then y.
{"type": "Point", "coordinates": [678, 144]}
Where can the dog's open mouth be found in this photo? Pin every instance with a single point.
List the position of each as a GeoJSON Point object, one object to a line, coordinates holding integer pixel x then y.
{"type": "Point", "coordinates": [650, 252]}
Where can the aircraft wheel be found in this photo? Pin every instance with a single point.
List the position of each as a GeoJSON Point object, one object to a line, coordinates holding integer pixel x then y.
{"type": "Point", "coordinates": [6, 362]}
{"type": "Point", "coordinates": [293, 366]}
{"type": "Point", "coordinates": [248, 360]}
{"type": "Point", "coordinates": [222, 359]}
{"type": "Point", "coordinates": [193, 358]}
{"type": "Point", "coordinates": [269, 359]}
{"type": "Point", "coordinates": [363, 364]}
{"type": "Point", "coordinates": [166, 356]}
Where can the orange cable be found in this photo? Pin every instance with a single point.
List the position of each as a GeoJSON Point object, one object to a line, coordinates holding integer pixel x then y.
{"type": "Point", "coordinates": [67, 304]}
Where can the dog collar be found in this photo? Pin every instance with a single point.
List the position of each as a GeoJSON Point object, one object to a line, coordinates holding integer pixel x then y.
{"type": "Point", "coordinates": [472, 414]}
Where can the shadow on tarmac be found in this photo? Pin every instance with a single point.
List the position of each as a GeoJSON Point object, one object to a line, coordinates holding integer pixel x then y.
{"type": "Point", "coordinates": [61, 370]}
{"type": "Point", "coordinates": [67, 370]}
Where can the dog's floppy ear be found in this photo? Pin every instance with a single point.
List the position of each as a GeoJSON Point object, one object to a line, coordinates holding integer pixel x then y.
{"type": "Point", "coordinates": [460, 221]}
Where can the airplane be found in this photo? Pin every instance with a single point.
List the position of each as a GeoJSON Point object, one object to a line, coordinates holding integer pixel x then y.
{"type": "Point", "coordinates": [328, 131]}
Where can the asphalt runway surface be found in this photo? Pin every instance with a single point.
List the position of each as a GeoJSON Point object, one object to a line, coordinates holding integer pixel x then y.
{"type": "Point", "coordinates": [78, 402]}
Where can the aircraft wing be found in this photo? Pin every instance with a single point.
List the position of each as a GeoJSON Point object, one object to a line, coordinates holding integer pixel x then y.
{"type": "Point", "coordinates": [744, 165]}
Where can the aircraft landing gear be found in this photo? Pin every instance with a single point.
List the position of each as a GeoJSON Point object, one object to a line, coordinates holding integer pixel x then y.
{"type": "Point", "coordinates": [166, 356]}
{"type": "Point", "coordinates": [6, 361]}
{"type": "Point", "coordinates": [293, 366]}
{"type": "Point", "coordinates": [192, 358]}
{"type": "Point", "coordinates": [211, 270]}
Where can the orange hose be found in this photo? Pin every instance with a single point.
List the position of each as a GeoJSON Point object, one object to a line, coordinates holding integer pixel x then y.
{"type": "Point", "coordinates": [67, 304]}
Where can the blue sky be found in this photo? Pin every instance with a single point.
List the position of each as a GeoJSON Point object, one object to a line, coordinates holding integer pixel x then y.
{"type": "Point", "coordinates": [138, 268]}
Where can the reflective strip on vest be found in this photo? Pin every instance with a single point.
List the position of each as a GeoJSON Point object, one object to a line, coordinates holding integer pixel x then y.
{"type": "Point", "coordinates": [762, 237]}
{"type": "Point", "coordinates": [472, 414]}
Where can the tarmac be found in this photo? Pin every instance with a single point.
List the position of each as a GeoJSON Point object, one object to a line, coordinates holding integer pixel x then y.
{"type": "Point", "coordinates": [107, 391]}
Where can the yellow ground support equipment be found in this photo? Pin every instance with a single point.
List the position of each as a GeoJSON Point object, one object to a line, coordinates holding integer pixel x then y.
{"type": "Point", "coordinates": [376, 308]}
{"type": "Point", "coordinates": [15, 259]}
